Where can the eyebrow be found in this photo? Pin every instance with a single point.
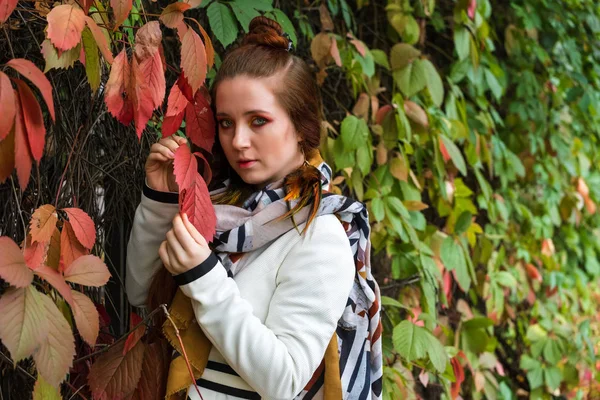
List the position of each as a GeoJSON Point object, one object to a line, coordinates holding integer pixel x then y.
{"type": "Point", "coordinates": [222, 114]}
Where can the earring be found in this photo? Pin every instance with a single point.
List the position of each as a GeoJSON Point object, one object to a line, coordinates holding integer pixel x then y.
{"type": "Point", "coordinates": [306, 163]}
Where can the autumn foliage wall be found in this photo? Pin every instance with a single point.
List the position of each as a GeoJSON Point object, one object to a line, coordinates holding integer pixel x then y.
{"type": "Point", "coordinates": [468, 127]}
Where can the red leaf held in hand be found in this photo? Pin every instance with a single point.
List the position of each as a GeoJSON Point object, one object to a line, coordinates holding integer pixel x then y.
{"type": "Point", "coordinates": [171, 124]}
{"type": "Point", "coordinates": [23, 157]}
{"type": "Point", "coordinates": [193, 59]}
{"type": "Point", "coordinates": [172, 14]}
{"type": "Point", "coordinates": [43, 222]}
{"type": "Point", "coordinates": [147, 40]}
{"type": "Point", "coordinates": [37, 77]}
{"type": "Point", "coordinates": [6, 8]}
{"type": "Point", "coordinates": [121, 10]}
{"type": "Point", "coordinates": [7, 156]}
{"type": "Point", "coordinates": [206, 171]}
{"type": "Point", "coordinates": [34, 121]}
{"type": "Point", "coordinates": [100, 40]}
{"type": "Point", "coordinates": [82, 225]}
{"type": "Point", "coordinates": [200, 123]}
{"type": "Point", "coordinates": [194, 199]}
{"type": "Point", "coordinates": [154, 75]}
{"type": "Point", "coordinates": [88, 270]}
{"type": "Point", "coordinates": [136, 335]}
{"type": "Point", "coordinates": [65, 24]}
{"type": "Point", "coordinates": [117, 96]}
{"type": "Point", "coordinates": [70, 248]}
{"type": "Point", "coordinates": [7, 105]}
{"type": "Point", "coordinates": [185, 87]}
{"type": "Point", "coordinates": [57, 281]}
{"type": "Point", "coordinates": [12, 264]}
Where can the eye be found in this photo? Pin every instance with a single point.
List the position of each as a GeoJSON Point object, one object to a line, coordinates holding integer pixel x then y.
{"type": "Point", "coordinates": [259, 121]}
{"type": "Point", "coordinates": [225, 123]}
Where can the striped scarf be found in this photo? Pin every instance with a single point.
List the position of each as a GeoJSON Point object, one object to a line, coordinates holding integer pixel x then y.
{"type": "Point", "coordinates": [358, 334]}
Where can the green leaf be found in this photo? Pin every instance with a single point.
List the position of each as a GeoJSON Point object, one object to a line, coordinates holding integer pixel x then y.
{"type": "Point", "coordinates": [346, 14]}
{"type": "Point", "coordinates": [355, 133]}
{"type": "Point", "coordinates": [45, 391]}
{"type": "Point", "coordinates": [380, 58]}
{"type": "Point", "coordinates": [434, 83]}
{"type": "Point", "coordinates": [552, 351]}
{"type": "Point", "coordinates": [463, 222]}
{"type": "Point", "coordinates": [286, 24]}
{"type": "Point", "coordinates": [364, 158]}
{"type": "Point", "coordinates": [341, 157]}
{"type": "Point", "coordinates": [411, 79]}
{"type": "Point", "coordinates": [92, 59]}
{"type": "Point", "coordinates": [453, 257]}
{"type": "Point", "coordinates": [262, 5]}
{"type": "Point", "coordinates": [222, 22]}
{"type": "Point", "coordinates": [397, 206]}
{"type": "Point", "coordinates": [505, 279]}
{"type": "Point", "coordinates": [461, 42]}
{"type": "Point", "coordinates": [401, 55]}
{"type": "Point", "coordinates": [455, 154]}
{"type": "Point", "coordinates": [437, 353]}
{"type": "Point", "coordinates": [553, 377]}
{"type": "Point", "coordinates": [377, 209]}
{"type": "Point", "coordinates": [493, 84]}
{"type": "Point", "coordinates": [410, 340]}
{"type": "Point", "coordinates": [388, 301]}
{"type": "Point", "coordinates": [244, 12]}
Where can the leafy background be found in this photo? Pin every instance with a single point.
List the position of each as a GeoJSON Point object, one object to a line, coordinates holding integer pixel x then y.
{"type": "Point", "coordinates": [468, 127]}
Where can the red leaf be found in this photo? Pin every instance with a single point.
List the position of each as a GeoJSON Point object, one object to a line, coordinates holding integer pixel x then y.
{"type": "Point", "coordinates": [147, 40]}
{"type": "Point", "coordinates": [153, 74]}
{"type": "Point", "coordinates": [171, 124]}
{"type": "Point", "coordinates": [141, 97]}
{"type": "Point", "coordinates": [153, 382]}
{"type": "Point", "coordinates": [100, 39]}
{"type": "Point", "coordinates": [181, 29]}
{"type": "Point", "coordinates": [86, 4]}
{"type": "Point", "coordinates": [381, 113]}
{"type": "Point", "coordinates": [34, 121]}
{"type": "Point", "coordinates": [459, 374]}
{"type": "Point", "coordinates": [12, 264]}
{"type": "Point", "coordinates": [193, 59]}
{"type": "Point", "coordinates": [43, 222]}
{"type": "Point", "coordinates": [35, 253]}
{"type": "Point", "coordinates": [185, 87]}
{"type": "Point", "coordinates": [23, 157]}
{"type": "Point", "coordinates": [135, 336]}
{"type": "Point", "coordinates": [472, 8]}
{"type": "Point", "coordinates": [70, 248]}
{"type": "Point", "coordinates": [7, 156]}
{"type": "Point", "coordinates": [83, 226]}
{"type": "Point", "coordinates": [86, 317]}
{"type": "Point", "coordinates": [200, 123]}
{"type": "Point", "coordinates": [114, 375]}
{"type": "Point", "coordinates": [172, 14]}
{"type": "Point", "coordinates": [176, 102]}
{"type": "Point", "coordinates": [88, 270]}
{"type": "Point", "coordinates": [7, 105]}
{"type": "Point", "coordinates": [57, 281]}
{"type": "Point", "coordinates": [117, 87]}
{"type": "Point", "coordinates": [533, 272]}
{"type": "Point", "coordinates": [335, 52]}
{"type": "Point", "coordinates": [206, 171]}
{"type": "Point", "coordinates": [360, 46]}
{"type": "Point", "coordinates": [37, 77]}
{"type": "Point", "coordinates": [121, 10]}
{"type": "Point", "coordinates": [444, 151]}
{"type": "Point", "coordinates": [65, 24]}
{"type": "Point", "coordinates": [194, 199]}
{"type": "Point", "coordinates": [6, 8]}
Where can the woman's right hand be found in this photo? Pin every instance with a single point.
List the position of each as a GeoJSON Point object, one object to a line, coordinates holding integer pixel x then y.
{"type": "Point", "coordinates": [159, 164]}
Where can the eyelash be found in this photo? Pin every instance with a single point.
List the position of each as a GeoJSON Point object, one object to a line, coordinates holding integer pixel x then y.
{"type": "Point", "coordinates": [221, 122]}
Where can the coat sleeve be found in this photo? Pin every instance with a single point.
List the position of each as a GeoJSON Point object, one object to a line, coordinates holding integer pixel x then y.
{"type": "Point", "coordinates": [278, 358]}
{"type": "Point", "coordinates": [153, 218]}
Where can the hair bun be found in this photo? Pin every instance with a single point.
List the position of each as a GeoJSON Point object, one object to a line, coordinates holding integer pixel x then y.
{"type": "Point", "coordinates": [266, 32]}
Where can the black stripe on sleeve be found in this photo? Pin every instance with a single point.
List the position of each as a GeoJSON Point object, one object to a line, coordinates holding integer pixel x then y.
{"type": "Point", "coordinates": [198, 271]}
{"type": "Point", "coordinates": [163, 197]}
{"type": "Point", "coordinates": [217, 387]}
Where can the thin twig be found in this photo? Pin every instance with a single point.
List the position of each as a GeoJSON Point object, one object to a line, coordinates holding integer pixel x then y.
{"type": "Point", "coordinates": [60, 183]}
{"type": "Point", "coordinates": [21, 369]}
{"type": "Point", "coordinates": [18, 203]}
{"type": "Point", "coordinates": [8, 40]}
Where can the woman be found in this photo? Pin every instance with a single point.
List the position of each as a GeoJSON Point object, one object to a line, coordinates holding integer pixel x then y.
{"type": "Point", "coordinates": [284, 304]}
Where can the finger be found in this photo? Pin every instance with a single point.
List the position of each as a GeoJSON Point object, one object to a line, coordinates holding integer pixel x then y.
{"type": "Point", "coordinates": [170, 143]}
{"type": "Point", "coordinates": [158, 148]}
{"type": "Point", "coordinates": [197, 236]}
{"type": "Point", "coordinates": [183, 236]}
{"type": "Point", "coordinates": [175, 264]}
{"type": "Point", "coordinates": [164, 256]}
{"type": "Point", "coordinates": [176, 251]}
{"type": "Point", "coordinates": [158, 157]}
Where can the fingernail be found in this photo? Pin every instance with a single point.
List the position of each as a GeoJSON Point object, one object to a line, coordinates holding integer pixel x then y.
{"type": "Point", "coordinates": [171, 154]}
{"type": "Point", "coordinates": [185, 216]}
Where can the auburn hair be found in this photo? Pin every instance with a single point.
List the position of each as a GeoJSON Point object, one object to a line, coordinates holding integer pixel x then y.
{"type": "Point", "coordinates": [264, 53]}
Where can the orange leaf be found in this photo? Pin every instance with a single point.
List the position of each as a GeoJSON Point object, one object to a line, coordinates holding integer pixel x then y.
{"type": "Point", "coordinates": [37, 77]}
{"type": "Point", "coordinates": [53, 256]}
{"type": "Point", "coordinates": [444, 151]}
{"type": "Point", "coordinates": [194, 199]}
{"type": "Point", "coordinates": [135, 336]}
{"type": "Point", "coordinates": [193, 59]}
{"type": "Point", "coordinates": [88, 270]}
{"type": "Point", "coordinates": [34, 121]}
{"type": "Point", "coordinates": [70, 248]}
{"type": "Point", "coordinates": [200, 123]}
{"type": "Point", "coordinates": [35, 253]}
{"type": "Point", "coordinates": [22, 321]}
{"type": "Point", "coordinates": [6, 8]}
{"type": "Point", "coordinates": [7, 105]}
{"type": "Point", "coordinates": [43, 222]}
{"type": "Point", "coordinates": [121, 10]}
{"type": "Point", "coordinates": [459, 374]}
{"type": "Point", "coordinates": [57, 281]}
{"type": "Point", "coordinates": [65, 24]}
{"type": "Point", "coordinates": [153, 74]}
{"type": "Point", "coordinates": [210, 50]}
{"type": "Point", "coordinates": [117, 87]}
{"type": "Point", "coordinates": [193, 3]}
{"type": "Point", "coordinates": [147, 40]}
{"type": "Point", "coordinates": [54, 357]}
{"type": "Point", "coordinates": [172, 14]}
{"type": "Point", "coordinates": [7, 156]}
{"type": "Point", "coordinates": [114, 375]}
{"type": "Point", "coordinates": [23, 157]}
{"type": "Point", "coordinates": [100, 39]}
{"type": "Point", "coordinates": [533, 272]}
{"type": "Point", "coordinates": [83, 226]}
{"type": "Point", "coordinates": [12, 264]}
{"type": "Point", "coordinates": [86, 317]}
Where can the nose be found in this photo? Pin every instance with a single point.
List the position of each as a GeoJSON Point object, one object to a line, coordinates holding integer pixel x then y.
{"type": "Point", "coordinates": [241, 138]}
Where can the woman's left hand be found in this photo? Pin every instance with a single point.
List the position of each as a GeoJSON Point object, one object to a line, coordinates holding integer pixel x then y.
{"type": "Point", "coordinates": [185, 247]}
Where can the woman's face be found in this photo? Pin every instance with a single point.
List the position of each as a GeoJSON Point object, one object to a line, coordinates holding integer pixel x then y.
{"type": "Point", "coordinates": [256, 133]}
